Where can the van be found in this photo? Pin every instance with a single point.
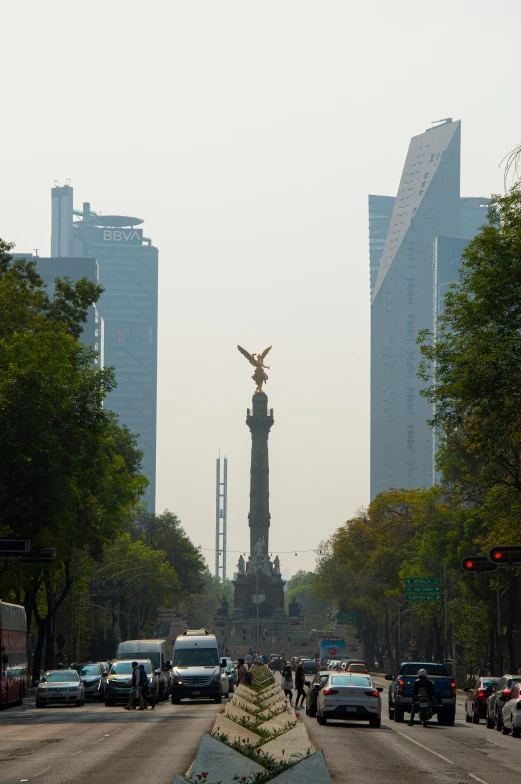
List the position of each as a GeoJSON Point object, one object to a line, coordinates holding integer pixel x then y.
{"type": "Point", "coordinates": [197, 670]}
{"type": "Point", "coordinates": [155, 650]}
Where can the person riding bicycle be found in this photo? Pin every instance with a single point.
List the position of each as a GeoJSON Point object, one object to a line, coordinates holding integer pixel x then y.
{"type": "Point", "coordinates": [423, 687]}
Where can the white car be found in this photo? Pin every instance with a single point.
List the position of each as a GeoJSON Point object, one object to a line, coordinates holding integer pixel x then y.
{"type": "Point", "coordinates": [512, 713]}
{"type": "Point", "coordinates": [60, 686]}
{"type": "Point", "coordinates": [351, 697]}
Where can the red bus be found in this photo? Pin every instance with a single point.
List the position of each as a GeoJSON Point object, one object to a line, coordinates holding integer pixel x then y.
{"type": "Point", "coordinates": [13, 653]}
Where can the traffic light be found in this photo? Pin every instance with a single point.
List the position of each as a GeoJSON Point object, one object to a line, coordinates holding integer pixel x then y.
{"type": "Point", "coordinates": [505, 556]}
{"type": "Point", "coordinates": [477, 563]}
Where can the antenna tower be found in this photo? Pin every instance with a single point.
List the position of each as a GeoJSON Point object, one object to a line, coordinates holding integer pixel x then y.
{"type": "Point", "coordinates": [221, 510]}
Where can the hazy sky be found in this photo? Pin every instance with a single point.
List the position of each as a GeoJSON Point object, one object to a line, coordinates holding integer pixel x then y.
{"type": "Point", "coordinates": [248, 135]}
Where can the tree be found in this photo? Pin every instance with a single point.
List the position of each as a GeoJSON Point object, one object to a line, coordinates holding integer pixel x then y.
{"type": "Point", "coordinates": [303, 589]}
{"type": "Point", "coordinates": [69, 474]}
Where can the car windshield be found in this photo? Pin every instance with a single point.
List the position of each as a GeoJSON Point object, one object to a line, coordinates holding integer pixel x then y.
{"type": "Point", "coordinates": [432, 669]}
{"type": "Point", "coordinates": [125, 667]}
{"type": "Point", "coordinates": [350, 680]}
{"type": "Point", "coordinates": [357, 667]}
{"type": "Point", "coordinates": [55, 676]}
{"type": "Point", "coordinates": [86, 669]}
{"type": "Point", "coordinates": [490, 684]}
{"type": "Point", "coordinates": [196, 657]}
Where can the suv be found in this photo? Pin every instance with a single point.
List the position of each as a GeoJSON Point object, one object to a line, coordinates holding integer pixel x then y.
{"type": "Point", "coordinates": [497, 700]}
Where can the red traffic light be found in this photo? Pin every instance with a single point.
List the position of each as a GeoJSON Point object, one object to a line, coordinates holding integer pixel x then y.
{"type": "Point", "coordinates": [477, 563]}
{"type": "Point", "coordinates": [507, 556]}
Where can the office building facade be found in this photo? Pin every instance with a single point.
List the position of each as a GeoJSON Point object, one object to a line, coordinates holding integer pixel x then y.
{"type": "Point", "coordinates": [380, 213]}
{"type": "Point", "coordinates": [128, 271]}
{"type": "Point", "coordinates": [429, 227]}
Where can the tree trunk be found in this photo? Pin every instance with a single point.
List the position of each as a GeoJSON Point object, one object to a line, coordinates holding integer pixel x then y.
{"type": "Point", "coordinates": [40, 642]}
{"type": "Point", "coordinates": [491, 645]}
{"type": "Point", "coordinates": [512, 611]}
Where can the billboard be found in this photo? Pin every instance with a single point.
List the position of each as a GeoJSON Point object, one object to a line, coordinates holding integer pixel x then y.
{"type": "Point", "coordinates": [332, 649]}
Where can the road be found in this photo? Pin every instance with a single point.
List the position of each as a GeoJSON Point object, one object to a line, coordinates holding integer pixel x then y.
{"type": "Point", "coordinates": [398, 754]}
{"type": "Point", "coordinates": [98, 745]}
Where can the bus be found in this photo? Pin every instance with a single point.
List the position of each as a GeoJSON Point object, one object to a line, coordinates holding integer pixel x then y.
{"type": "Point", "coordinates": [13, 653]}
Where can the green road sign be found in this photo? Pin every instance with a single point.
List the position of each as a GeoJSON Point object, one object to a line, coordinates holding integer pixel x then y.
{"type": "Point", "coordinates": [423, 597]}
{"type": "Point", "coordinates": [422, 581]}
{"type": "Point", "coordinates": [347, 618]}
{"type": "Point", "coordinates": [423, 589]}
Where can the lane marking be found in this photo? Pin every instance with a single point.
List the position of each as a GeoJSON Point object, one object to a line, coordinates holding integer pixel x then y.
{"type": "Point", "coordinates": [476, 778]}
{"type": "Point", "coordinates": [426, 748]}
{"type": "Point", "coordinates": [42, 772]}
{"type": "Point", "coordinates": [76, 753]}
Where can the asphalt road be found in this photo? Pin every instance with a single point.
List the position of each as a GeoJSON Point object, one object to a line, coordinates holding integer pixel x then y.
{"type": "Point", "coordinates": [398, 754]}
{"type": "Point", "coordinates": [99, 745]}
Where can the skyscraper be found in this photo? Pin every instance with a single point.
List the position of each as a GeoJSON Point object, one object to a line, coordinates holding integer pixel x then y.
{"type": "Point", "coordinates": [427, 205]}
{"type": "Point", "coordinates": [128, 271]}
{"type": "Point", "coordinates": [380, 213]}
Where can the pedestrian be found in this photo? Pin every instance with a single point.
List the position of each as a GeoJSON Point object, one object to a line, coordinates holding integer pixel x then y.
{"type": "Point", "coordinates": [241, 672]}
{"type": "Point", "coordinates": [135, 691]}
{"type": "Point", "coordinates": [143, 684]}
{"type": "Point", "coordinates": [287, 682]}
{"type": "Point", "coordinates": [299, 685]}
{"type": "Point", "coordinates": [249, 659]}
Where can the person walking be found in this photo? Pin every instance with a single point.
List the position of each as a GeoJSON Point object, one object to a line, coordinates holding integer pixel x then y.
{"type": "Point", "coordinates": [287, 682]}
{"type": "Point", "coordinates": [143, 682]}
{"type": "Point", "coordinates": [299, 685]}
{"type": "Point", "coordinates": [249, 660]}
{"type": "Point", "coordinates": [241, 672]}
{"type": "Point", "coordinates": [135, 691]}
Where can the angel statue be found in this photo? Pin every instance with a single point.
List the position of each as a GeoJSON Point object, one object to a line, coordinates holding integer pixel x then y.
{"type": "Point", "coordinates": [257, 360]}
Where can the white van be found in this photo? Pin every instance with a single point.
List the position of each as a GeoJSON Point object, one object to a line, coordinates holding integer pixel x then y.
{"type": "Point", "coordinates": [197, 670]}
{"type": "Point", "coordinates": [155, 650]}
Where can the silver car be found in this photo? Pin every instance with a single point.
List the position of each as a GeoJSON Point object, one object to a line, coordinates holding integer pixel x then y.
{"type": "Point", "coordinates": [57, 686]}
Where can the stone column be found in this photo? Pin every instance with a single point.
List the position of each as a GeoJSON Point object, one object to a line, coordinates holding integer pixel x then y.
{"type": "Point", "coordinates": [260, 422]}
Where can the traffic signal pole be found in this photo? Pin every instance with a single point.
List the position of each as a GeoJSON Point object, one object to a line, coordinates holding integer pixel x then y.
{"type": "Point", "coordinates": [445, 608]}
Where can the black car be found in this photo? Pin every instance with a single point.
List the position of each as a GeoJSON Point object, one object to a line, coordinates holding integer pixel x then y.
{"type": "Point", "coordinates": [498, 698]}
{"type": "Point", "coordinates": [93, 677]}
{"type": "Point", "coordinates": [311, 697]}
{"type": "Point", "coordinates": [310, 666]}
{"type": "Point", "coordinates": [119, 682]}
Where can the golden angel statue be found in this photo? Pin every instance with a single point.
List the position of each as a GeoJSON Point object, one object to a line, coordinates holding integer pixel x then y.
{"type": "Point", "coordinates": [257, 360]}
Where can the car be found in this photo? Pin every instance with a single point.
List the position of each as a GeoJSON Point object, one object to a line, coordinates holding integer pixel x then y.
{"type": "Point", "coordinates": [477, 696]}
{"type": "Point", "coordinates": [347, 697]}
{"type": "Point", "coordinates": [119, 682]}
{"type": "Point", "coordinates": [60, 686]}
{"type": "Point", "coordinates": [498, 698]}
{"type": "Point", "coordinates": [356, 667]}
{"type": "Point", "coordinates": [93, 678]}
{"type": "Point", "coordinates": [312, 693]}
{"type": "Point", "coordinates": [310, 666]}
{"type": "Point", "coordinates": [512, 713]}
{"type": "Point", "coordinates": [156, 651]}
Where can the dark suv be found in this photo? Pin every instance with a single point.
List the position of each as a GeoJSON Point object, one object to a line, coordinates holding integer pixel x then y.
{"type": "Point", "coordinates": [497, 700]}
{"type": "Point", "coordinates": [119, 682]}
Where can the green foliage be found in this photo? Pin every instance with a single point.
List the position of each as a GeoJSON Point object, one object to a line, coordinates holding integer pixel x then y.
{"type": "Point", "coordinates": [302, 587]}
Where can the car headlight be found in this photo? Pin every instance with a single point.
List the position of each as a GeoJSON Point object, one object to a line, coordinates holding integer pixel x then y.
{"type": "Point", "coordinates": [216, 678]}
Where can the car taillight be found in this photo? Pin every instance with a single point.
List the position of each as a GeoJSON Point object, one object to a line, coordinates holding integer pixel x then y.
{"type": "Point", "coordinates": [330, 691]}
{"type": "Point", "coordinates": [481, 694]}
{"type": "Point", "coordinates": [371, 693]}
{"type": "Point", "coordinates": [453, 685]}
{"type": "Point", "coordinates": [401, 684]}
{"type": "Point", "coordinates": [506, 692]}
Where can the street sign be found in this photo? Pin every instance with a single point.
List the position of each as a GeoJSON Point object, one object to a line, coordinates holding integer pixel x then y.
{"type": "Point", "coordinates": [347, 618]}
{"type": "Point", "coordinates": [14, 548]}
{"type": "Point", "coordinates": [422, 581]}
{"type": "Point", "coordinates": [423, 597]}
{"type": "Point", "coordinates": [423, 589]}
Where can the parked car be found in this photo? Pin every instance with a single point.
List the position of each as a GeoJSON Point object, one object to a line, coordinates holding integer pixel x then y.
{"type": "Point", "coordinates": [497, 700]}
{"type": "Point", "coordinates": [312, 693]}
{"type": "Point", "coordinates": [93, 678]}
{"type": "Point", "coordinates": [512, 713]}
{"type": "Point", "coordinates": [401, 688]}
{"type": "Point", "coordinates": [119, 682]}
{"type": "Point", "coordinates": [347, 697]}
{"type": "Point", "coordinates": [477, 696]}
{"type": "Point", "coordinates": [60, 686]}
{"type": "Point", "coordinates": [232, 675]}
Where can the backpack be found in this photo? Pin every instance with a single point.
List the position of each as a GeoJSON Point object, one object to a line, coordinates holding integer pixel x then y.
{"type": "Point", "coordinates": [248, 679]}
{"type": "Point", "coordinates": [143, 677]}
